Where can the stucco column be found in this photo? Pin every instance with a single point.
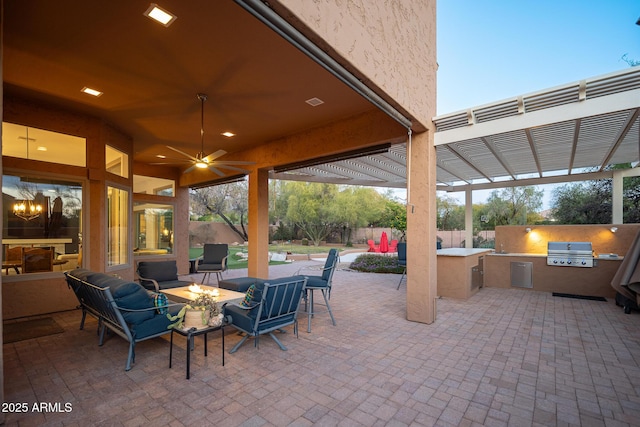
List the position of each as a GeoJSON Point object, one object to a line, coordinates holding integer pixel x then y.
{"type": "Point", "coordinates": [617, 209]}
{"type": "Point", "coordinates": [258, 226]}
{"type": "Point", "coordinates": [421, 231]}
{"type": "Point", "coordinates": [468, 218]}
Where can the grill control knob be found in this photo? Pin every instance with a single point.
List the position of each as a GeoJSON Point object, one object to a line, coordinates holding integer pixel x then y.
{"type": "Point", "coordinates": [568, 262]}
{"type": "Point", "coordinates": [555, 261]}
{"type": "Point", "coordinates": [584, 262]}
{"type": "Point", "coordinates": [561, 262]}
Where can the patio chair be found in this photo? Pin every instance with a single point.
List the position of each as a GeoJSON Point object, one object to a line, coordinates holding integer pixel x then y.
{"type": "Point", "coordinates": [13, 257]}
{"type": "Point", "coordinates": [321, 283]}
{"type": "Point", "coordinates": [37, 260]}
{"type": "Point", "coordinates": [393, 246]}
{"type": "Point", "coordinates": [214, 260]}
{"type": "Point", "coordinates": [273, 305]}
{"type": "Point", "coordinates": [372, 246]}
{"type": "Point", "coordinates": [402, 260]}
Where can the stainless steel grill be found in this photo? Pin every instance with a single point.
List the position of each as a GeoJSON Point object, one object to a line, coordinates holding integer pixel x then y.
{"type": "Point", "coordinates": [570, 254]}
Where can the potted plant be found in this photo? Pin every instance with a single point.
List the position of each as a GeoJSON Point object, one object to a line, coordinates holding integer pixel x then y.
{"type": "Point", "coordinates": [203, 311]}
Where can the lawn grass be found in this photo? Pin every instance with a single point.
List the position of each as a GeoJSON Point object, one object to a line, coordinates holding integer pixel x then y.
{"type": "Point", "coordinates": [234, 262]}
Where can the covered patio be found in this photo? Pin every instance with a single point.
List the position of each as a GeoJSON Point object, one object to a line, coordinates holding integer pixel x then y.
{"type": "Point", "coordinates": [503, 357]}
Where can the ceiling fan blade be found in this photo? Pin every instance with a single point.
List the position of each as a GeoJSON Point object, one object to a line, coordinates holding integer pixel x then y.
{"type": "Point", "coordinates": [211, 157]}
{"type": "Point", "coordinates": [233, 168]}
{"type": "Point", "coordinates": [189, 169]}
{"type": "Point", "coordinates": [183, 153]}
{"type": "Point", "coordinates": [233, 162]}
{"type": "Point", "coordinates": [216, 170]}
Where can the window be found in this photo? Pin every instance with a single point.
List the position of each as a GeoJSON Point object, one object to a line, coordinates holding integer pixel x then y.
{"type": "Point", "coordinates": [41, 214]}
{"type": "Point", "coordinates": [117, 226]}
{"type": "Point", "coordinates": [153, 225]}
{"type": "Point", "coordinates": [117, 162]}
{"type": "Point", "coordinates": [152, 185]}
{"type": "Point", "coordinates": [37, 144]}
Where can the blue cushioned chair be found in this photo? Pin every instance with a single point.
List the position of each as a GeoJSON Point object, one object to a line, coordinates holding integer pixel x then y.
{"type": "Point", "coordinates": [214, 260]}
{"type": "Point", "coordinates": [402, 260]}
{"type": "Point", "coordinates": [274, 305]}
{"type": "Point", "coordinates": [323, 284]}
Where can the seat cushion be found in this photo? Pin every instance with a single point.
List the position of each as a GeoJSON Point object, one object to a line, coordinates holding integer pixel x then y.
{"type": "Point", "coordinates": [316, 282]}
{"type": "Point", "coordinates": [167, 284]}
{"type": "Point", "coordinates": [238, 284]}
{"type": "Point", "coordinates": [210, 267]}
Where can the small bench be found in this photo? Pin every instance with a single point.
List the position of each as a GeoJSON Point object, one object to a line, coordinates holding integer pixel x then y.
{"type": "Point", "coordinates": [239, 284]}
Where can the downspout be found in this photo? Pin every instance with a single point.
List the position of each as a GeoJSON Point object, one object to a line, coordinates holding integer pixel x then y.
{"type": "Point", "coordinates": [274, 21]}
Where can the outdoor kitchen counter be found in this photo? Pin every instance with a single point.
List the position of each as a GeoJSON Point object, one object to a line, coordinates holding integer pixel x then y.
{"type": "Point", "coordinates": [591, 281]}
{"type": "Point", "coordinates": [455, 271]}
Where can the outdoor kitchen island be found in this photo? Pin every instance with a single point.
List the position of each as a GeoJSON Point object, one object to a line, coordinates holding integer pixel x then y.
{"type": "Point", "coordinates": [460, 271]}
{"type": "Point", "coordinates": [512, 270]}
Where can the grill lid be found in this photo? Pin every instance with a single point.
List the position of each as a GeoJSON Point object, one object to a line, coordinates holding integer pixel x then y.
{"type": "Point", "coordinates": [577, 248]}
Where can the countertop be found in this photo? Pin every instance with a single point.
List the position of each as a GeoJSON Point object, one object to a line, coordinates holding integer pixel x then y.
{"type": "Point", "coordinates": [462, 252]}
{"type": "Point", "coordinates": [605, 256]}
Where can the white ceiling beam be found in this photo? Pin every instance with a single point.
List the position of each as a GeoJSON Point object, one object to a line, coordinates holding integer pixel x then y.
{"type": "Point", "coordinates": [591, 107]}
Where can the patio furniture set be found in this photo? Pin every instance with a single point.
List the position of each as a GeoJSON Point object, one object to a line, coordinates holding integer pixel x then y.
{"type": "Point", "coordinates": [253, 306]}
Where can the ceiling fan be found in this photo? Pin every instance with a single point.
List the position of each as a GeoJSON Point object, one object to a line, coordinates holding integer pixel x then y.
{"type": "Point", "coordinates": [203, 161]}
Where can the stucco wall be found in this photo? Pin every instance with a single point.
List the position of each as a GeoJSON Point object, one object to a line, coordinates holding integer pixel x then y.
{"type": "Point", "coordinates": [392, 44]}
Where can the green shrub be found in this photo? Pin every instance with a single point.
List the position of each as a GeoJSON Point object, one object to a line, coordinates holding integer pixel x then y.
{"type": "Point", "coordinates": [372, 263]}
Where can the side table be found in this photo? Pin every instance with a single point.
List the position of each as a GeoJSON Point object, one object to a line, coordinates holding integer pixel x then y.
{"type": "Point", "coordinates": [190, 334]}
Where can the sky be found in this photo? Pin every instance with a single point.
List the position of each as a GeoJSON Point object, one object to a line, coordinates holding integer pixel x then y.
{"type": "Point", "coordinates": [495, 49]}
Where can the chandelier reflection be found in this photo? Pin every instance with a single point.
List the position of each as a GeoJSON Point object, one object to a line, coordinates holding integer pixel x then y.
{"type": "Point", "coordinates": [27, 209]}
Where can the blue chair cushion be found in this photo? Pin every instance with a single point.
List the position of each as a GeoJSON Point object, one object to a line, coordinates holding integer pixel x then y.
{"type": "Point", "coordinates": [209, 266]}
{"type": "Point", "coordinates": [238, 284]}
{"type": "Point", "coordinates": [316, 282]}
{"type": "Point", "coordinates": [161, 271]}
{"type": "Point", "coordinates": [155, 325]}
{"type": "Point", "coordinates": [127, 295]}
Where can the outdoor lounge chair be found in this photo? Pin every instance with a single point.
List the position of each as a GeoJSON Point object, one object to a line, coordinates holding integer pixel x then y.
{"type": "Point", "coordinates": [214, 260]}
{"type": "Point", "coordinates": [372, 246]}
{"type": "Point", "coordinates": [273, 306]}
{"type": "Point", "coordinates": [321, 283]}
{"type": "Point", "coordinates": [402, 260]}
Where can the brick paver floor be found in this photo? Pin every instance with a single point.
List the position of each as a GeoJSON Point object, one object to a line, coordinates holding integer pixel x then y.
{"type": "Point", "coordinates": [505, 357]}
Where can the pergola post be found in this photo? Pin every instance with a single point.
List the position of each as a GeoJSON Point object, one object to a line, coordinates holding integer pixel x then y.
{"type": "Point", "coordinates": [616, 197]}
{"type": "Point", "coordinates": [468, 218]}
{"type": "Point", "coordinates": [258, 224]}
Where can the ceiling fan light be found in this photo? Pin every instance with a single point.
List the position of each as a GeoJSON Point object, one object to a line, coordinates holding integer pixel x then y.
{"type": "Point", "coordinates": [228, 134]}
{"type": "Point", "coordinates": [201, 165]}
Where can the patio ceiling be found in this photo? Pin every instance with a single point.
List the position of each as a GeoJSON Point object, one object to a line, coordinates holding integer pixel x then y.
{"type": "Point", "coordinates": [569, 132]}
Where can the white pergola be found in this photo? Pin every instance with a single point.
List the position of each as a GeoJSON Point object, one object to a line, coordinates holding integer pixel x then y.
{"type": "Point", "coordinates": [572, 132]}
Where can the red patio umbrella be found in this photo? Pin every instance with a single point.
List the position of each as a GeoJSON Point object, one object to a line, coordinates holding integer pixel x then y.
{"type": "Point", "coordinates": [384, 243]}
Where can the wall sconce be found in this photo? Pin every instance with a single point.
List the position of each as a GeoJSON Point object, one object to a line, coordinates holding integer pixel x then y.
{"type": "Point", "coordinates": [613, 229]}
{"type": "Point", "coordinates": [527, 230]}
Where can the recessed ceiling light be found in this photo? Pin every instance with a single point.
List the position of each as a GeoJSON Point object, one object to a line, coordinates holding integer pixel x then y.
{"type": "Point", "coordinates": [314, 102]}
{"type": "Point", "coordinates": [41, 148]}
{"type": "Point", "coordinates": [92, 92]}
{"type": "Point", "coordinates": [228, 134]}
{"type": "Point", "coordinates": [161, 156]}
{"type": "Point", "coordinates": [160, 15]}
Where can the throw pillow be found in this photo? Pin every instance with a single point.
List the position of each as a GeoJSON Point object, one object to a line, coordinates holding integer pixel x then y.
{"type": "Point", "coordinates": [246, 302]}
{"type": "Point", "coordinates": [160, 301]}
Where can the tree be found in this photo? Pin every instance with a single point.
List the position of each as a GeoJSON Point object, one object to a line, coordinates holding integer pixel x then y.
{"type": "Point", "coordinates": [310, 209]}
{"type": "Point", "coordinates": [450, 215]}
{"type": "Point", "coordinates": [514, 205]}
{"type": "Point", "coordinates": [226, 201]}
{"type": "Point", "coordinates": [355, 207]}
{"type": "Point", "coordinates": [395, 216]}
